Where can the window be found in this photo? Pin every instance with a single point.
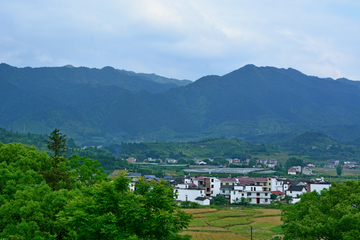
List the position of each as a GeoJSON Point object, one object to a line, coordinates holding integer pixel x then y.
{"type": "Point", "coordinates": [265, 194]}
{"type": "Point", "coordinates": [242, 195]}
{"type": "Point", "coordinates": [257, 194]}
{"type": "Point", "coordinates": [223, 191]}
{"type": "Point", "coordinates": [269, 189]}
{"type": "Point", "coordinates": [212, 186]}
{"type": "Point", "coordinates": [212, 180]}
{"type": "Point", "coordinates": [249, 194]}
{"type": "Point", "coordinates": [227, 183]}
{"type": "Point", "coordinates": [266, 200]}
{"type": "Point", "coordinates": [251, 188]}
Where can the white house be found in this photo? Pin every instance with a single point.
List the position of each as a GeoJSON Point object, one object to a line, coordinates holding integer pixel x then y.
{"type": "Point", "coordinates": [295, 192]}
{"type": "Point", "coordinates": [278, 184]}
{"type": "Point", "coordinates": [255, 193]}
{"type": "Point", "coordinates": [318, 187]}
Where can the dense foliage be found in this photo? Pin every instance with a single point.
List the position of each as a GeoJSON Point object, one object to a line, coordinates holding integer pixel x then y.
{"type": "Point", "coordinates": [51, 197]}
{"type": "Point", "coordinates": [332, 215]}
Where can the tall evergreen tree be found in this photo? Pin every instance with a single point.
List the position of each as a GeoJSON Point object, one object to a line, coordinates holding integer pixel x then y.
{"type": "Point", "coordinates": [58, 177]}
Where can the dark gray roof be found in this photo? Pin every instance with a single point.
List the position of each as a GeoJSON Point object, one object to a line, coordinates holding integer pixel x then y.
{"type": "Point", "coordinates": [295, 188]}
{"type": "Point", "coordinates": [200, 198]}
{"type": "Point", "coordinates": [134, 174]}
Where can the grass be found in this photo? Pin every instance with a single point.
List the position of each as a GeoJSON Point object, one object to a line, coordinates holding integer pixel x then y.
{"type": "Point", "coordinates": [234, 223]}
{"type": "Point", "coordinates": [347, 174]}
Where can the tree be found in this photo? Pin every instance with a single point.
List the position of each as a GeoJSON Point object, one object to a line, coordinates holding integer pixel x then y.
{"type": "Point", "coordinates": [244, 201]}
{"type": "Point", "coordinates": [288, 198]}
{"type": "Point", "coordinates": [56, 143]}
{"type": "Point", "coordinates": [219, 201]}
{"type": "Point", "coordinates": [293, 162]}
{"type": "Point", "coordinates": [28, 206]}
{"type": "Point", "coordinates": [88, 171]}
{"type": "Point", "coordinates": [109, 210]}
{"type": "Point", "coordinates": [252, 162]}
{"type": "Point", "coordinates": [339, 170]}
{"type": "Point", "coordinates": [333, 214]}
{"type": "Point", "coordinates": [273, 197]}
{"type": "Point", "coordinates": [58, 177]}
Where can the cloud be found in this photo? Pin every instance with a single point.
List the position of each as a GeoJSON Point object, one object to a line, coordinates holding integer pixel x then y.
{"type": "Point", "coordinates": [183, 39]}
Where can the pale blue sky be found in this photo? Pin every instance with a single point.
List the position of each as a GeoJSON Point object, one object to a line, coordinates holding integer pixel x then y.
{"type": "Point", "coordinates": [184, 39]}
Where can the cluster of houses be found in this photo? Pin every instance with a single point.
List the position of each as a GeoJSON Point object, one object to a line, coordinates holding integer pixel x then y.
{"type": "Point", "coordinates": [256, 190]}
{"type": "Point", "coordinates": [294, 170]}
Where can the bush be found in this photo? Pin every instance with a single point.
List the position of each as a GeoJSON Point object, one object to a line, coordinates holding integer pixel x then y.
{"type": "Point", "coordinates": [188, 204]}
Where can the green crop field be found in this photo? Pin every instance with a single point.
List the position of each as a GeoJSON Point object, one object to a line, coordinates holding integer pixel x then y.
{"type": "Point", "coordinates": [234, 223]}
{"type": "Point", "coordinates": [330, 174]}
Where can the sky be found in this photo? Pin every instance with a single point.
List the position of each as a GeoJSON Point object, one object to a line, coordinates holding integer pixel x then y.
{"type": "Point", "coordinates": [184, 39]}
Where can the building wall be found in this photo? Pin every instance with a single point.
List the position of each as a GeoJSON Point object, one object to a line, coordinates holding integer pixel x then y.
{"type": "Point", "coordinates": [295, 194]}
{"type": "Point", "coordinates": [318, 187]}
{"type": "Point", "coordinates": [206, 202]}
{"type": "Point", "coordinates": [187, 194]}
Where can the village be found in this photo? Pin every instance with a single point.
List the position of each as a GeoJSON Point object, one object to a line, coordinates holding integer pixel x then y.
{"type": "Point", "coordinates": [261, 190]}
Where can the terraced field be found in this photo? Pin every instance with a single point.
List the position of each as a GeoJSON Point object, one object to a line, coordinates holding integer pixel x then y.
{"type": "Point", "coordinates": [234, 223]}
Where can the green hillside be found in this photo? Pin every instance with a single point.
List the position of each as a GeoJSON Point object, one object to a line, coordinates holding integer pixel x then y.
{"type": "Point", "coordinates": [108, 106]}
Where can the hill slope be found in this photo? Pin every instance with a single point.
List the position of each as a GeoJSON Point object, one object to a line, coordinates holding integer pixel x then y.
{"type": "Point", "coordinates": [107, 105]}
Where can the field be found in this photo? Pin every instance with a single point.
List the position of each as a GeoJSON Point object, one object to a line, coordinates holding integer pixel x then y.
{"type": "Point", "coordinates": [234, 223]}
{"type": "Point", "coordinates": [347, 174]}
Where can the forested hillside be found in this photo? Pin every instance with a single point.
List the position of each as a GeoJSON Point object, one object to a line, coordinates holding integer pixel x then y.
{"type": "Point", "coordinates": [108, 106]}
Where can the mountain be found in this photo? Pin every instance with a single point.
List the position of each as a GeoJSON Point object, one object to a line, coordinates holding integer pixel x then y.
{"type": "Point", "coordinates": [98, 106]}
{"type": "Point", "coordinates": [320, 146]}
{"type": "Point", "coordinates": [46, 77]}
{"type": "Point", "coordinates": [253, 101]}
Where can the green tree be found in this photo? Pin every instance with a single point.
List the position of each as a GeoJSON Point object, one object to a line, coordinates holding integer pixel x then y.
{"type": "Point", "coordinates": [88, 171]}
{"type": "Point", "coordinates": [32, 213]}
{"type": "Point", "coordinates": [110, 211]}
{"type": "Point", "coordinates": [219, 201]}
{"type": "Point", "coordinates": [273, 197]}
{"type": "Point", "coordinates": [28, 206]}
{"type": "Point", "coordinates": [57, 143]}
{"type": "Point", "coordinates": [293, 162]}
{"type": "Point", "coordinates": [288, 198]}
{"type": "Point", "coordinates": [59, 176]}
{"type": "Point", "coordinates": [252, 162]}
{"type": "Point", "coordinates": [339, 170]}
{"type": "Point", "coordinates": [244, 201]}
{"type": "Point", "coordinates": [333, 214]}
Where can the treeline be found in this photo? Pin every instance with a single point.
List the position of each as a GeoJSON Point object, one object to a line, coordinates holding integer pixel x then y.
{"type": "Point", "coordinates": [310, 146]}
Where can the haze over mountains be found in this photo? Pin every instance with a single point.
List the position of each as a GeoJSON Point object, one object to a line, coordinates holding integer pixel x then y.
{"type": "Point", "coordinates": [99, 106]}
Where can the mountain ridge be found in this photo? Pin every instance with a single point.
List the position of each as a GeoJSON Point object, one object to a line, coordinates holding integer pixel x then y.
{"type": "Point", "coordinates": [107, 105]}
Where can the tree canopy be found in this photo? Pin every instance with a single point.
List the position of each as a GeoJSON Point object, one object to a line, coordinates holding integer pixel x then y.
{"type": "Point", "coordinates": [111, 211]}
{"type": "Point", "coordinates": [90, 207]}
{"type": "Point", "coordinates": [333, 214]}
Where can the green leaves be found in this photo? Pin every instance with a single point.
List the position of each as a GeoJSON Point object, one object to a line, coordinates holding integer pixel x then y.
{"type": "Point", "coordinates": [91, 208]}
{"type": "Point", "coordinates": [88, 171]}
{"type": "Point", "coordinates": [332, 215]}
{"type": "Point", "coordinates": [109, 210]}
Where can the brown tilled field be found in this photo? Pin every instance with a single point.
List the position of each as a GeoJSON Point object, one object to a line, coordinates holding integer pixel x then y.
{"type": "Point", "coordinates": [234, 223]}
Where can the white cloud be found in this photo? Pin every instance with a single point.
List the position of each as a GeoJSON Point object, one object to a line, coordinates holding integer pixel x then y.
{"type": "Point", "coordinates": [183, 39]}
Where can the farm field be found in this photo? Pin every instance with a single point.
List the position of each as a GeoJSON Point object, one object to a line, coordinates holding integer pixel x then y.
{"type": "Point", "coordinates": [234, 223]}
{"type": "Point", "coordinates": [347, 174]}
